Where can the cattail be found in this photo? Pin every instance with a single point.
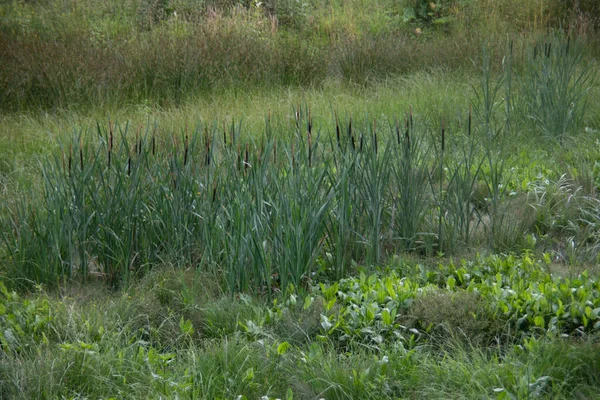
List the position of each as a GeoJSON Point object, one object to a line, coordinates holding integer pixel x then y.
{"type": "Point", "coordinates": [568, 44]}
{"type": "Point", "coordinates": [70, 157]}
{"type": "Point", "coordinates": [214, 196]}
{"type": "Point", "coordinates": [185, 150]}
{"type": "Point", "coordinates": [232, 131]}
{"type": "Point", "coordinates": [470, 119]}
{"type": "Point", "coordinates": [337, 132]}
{"type": "Point", "coordinates": [80, 153]}
{"type": "Point", "coordinates": [350, 135]}
{"type": "Point", "coordinates": [138, 149]}
{"type": "Point", "coordinates": [361, 143]}
{"type": "Point", "coordinates": [239, 160]}
{"type": "Point", "coordinates": [110, 145]}
{"type": "Point", "coordinates": [246, 163]}
{"type": "Point", "coordinates": [407, 139]}
{"type": "Point", "coordinates": [128, 165]}
{"type": "Point", "coordinates": [110, 135]}
{"type": "Point", "coordinates": [207, 147]}
{"type": "Point", "coordinates": [397, 130]}
{"type": "Point", "coordinates": [375, 136]}
{"type": "Point", "coordinates": [443, 134]}
{"type": "Point", "coordinates": [153, 145]}
{"type": "Point", "coordinates": [63, 161]}
{"type": "Point", "coordinates": [224, 135]}
{"type": "Point", "coordinates": [412, 124]}
{"type": "Point", "coordinates": [549, 50]}
{"type": "Point", "coordinates": [309, 123]}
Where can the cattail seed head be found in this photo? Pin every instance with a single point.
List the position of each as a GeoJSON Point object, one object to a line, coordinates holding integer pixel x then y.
{"type": "Point", "coordinates": [337, 132]}
{"type": "Point", "coordinates": [443, 134]}
{"type": "Point", "coordinates": [80, 154]}
{"type": "Point", "coordinates": [375, 135]}
{"type": "Point", "coordinates": [470, 119]}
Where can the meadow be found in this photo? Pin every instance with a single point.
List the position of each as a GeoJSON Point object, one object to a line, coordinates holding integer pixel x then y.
{"type": "Point", "coordinates": [283, 199]}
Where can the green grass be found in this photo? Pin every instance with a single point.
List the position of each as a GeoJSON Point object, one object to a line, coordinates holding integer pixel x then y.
{"type": "Point", "coordinates": [175, 334]}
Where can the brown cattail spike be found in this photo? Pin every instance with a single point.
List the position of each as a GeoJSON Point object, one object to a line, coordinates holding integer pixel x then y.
{"type": "Point", "coordinates": [110, 138]}
{"type": "Point", "coordinates": [470, 119]}
{"type": "Point", "coordinates": [80, 154]}
{"type": "Point", "coordinates": [375, 135]}
{"type": "Point", "coordinates": [350, 135]}
{"type": "Point", "coordinates": [185, 150]}
{"type": "Point", "coordinates": [70, 157]}
{"type": "Point", "coordinates": [443, 134]}
{"type": "Point", "coordinates": [337, 132]}
{"type": "Point", "coordinates": [208, 146]}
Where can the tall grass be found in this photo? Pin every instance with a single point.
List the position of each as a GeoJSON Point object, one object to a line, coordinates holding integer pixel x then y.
{"type": "Point", "coordinates": [555, 83]}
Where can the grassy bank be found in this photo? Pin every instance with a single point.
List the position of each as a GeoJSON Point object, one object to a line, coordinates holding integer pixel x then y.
{"type": "Point", "coordinates": [175, 334]}
{"type": "Point", "coordinates": [96, 54]}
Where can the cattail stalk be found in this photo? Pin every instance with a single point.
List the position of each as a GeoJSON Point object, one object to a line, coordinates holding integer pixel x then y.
{"type": "Point", "coordinates": [441, 216]}
{"type": "Point", "coordinates": [350, 135]}
{"type": "Point", "coordinates": [246, 163]}
{"type": "Point", "coordinates": [309, 149]}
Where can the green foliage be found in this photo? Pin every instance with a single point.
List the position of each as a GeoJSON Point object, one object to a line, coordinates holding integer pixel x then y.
{"type": "Point", "coordinates": [428, 12]}
{"type": "Point", "coordinates": [475, 300]}
{"type": "Point", "coordinates": [24, 323]}
{"type": "Point", "coordinates": [555, 83]}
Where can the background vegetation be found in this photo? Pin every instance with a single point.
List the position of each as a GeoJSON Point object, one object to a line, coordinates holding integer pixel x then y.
{"type": "Point", "coordinates": [299, 199]}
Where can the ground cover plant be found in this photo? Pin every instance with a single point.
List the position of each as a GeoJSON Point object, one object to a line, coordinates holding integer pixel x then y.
{"type": "Point", "coordinates": [284, 199]}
